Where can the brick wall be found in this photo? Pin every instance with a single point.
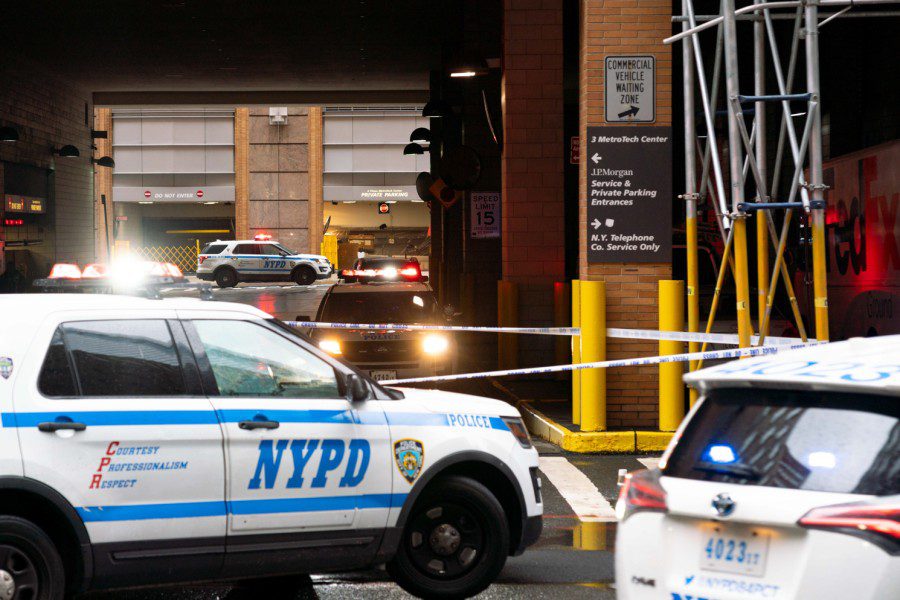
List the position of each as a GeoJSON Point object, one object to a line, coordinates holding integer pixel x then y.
{"type": "Point", "coordinates": [49, 112]}
{"type": "Point", "coordinates": [278, 166]}
{"type": "Point", "coordinates": [614, 27]}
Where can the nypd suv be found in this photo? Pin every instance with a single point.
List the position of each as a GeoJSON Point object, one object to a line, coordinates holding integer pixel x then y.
{"type": "Point", "coordinates": [146, 442]}
{"type": "Point", "coordinates": [260, 259]}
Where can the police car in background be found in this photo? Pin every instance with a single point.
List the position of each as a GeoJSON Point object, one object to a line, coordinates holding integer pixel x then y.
{"type": "Point", "coordinates": [783, 482]}
{"type": "Point", "coordinates": [386, 354]}
{"type": "Point", "coordinates": [260, 259]}
{"type": "Point", "coordinates": [147, 442]}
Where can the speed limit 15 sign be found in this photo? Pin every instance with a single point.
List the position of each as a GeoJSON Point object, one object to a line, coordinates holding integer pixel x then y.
{"type": "Point", "coordinates": [485, 215]}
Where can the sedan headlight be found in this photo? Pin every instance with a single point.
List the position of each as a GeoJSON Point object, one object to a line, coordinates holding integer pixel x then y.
{"type": "Point", "coordinates": [434, 345]}
{"type": "Point", "coordinates": [517, 428]}
{"type": "Point", "coordinates": [330, 346]}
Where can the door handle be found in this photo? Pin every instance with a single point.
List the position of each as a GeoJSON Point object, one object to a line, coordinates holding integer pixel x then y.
{"type": "Point", "coordinates": [259, 425]}
{"type": "Point", "coordinates": [51, 426]}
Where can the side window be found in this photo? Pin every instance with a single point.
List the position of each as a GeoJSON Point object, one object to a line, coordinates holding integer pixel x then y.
{"type": "Point", "coordinates": [250, 360]}
{"type": "Point", "coordinates": [124, 358]}
{"type": "Point", "coordinates": [246, 249]}
{"type": "Point", "coordinates": [213, 249]}
{"type": "Point", "coordinates": [56, 379]}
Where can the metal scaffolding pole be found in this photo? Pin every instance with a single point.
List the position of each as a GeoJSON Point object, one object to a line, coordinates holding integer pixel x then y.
{"type": "Point", "coordinates": [690, 195]}
{"type": "Point", "coordinates": [817, 214]}
{"type": "Point", "coordinates": [735, 148]}
{"type": "Point", "coordinates": [762, 234]}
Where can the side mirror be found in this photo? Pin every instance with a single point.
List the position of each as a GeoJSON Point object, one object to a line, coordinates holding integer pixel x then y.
{"type": "Point", "coordinates": [357, 388]}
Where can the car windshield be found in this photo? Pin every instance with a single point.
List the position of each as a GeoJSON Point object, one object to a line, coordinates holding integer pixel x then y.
{"type": "Point", "coordinates": [379, 307]}
{"type": "Point", "coordinates": [823, 441]}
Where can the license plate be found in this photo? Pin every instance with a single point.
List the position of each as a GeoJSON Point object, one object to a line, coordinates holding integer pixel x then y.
{"type": "Point", "coordinates": [732, 550]}
{"type": "Point", "coordinates": [383, 375]}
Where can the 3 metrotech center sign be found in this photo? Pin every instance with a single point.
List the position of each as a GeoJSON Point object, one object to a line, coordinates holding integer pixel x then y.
{"type": "Point", "coordinates": [629, 194]}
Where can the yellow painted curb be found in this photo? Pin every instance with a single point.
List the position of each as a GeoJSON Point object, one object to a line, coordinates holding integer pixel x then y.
{"type": "Point", "coordinates": [609, 442]}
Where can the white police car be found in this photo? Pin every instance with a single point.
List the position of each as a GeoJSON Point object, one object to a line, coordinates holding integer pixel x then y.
{"type": "Point", "coordinates": [260, 259]}
{"type": "Point", "coordinates": [160, 441]}
{"type": "Point", "coordinates": [783, 482]}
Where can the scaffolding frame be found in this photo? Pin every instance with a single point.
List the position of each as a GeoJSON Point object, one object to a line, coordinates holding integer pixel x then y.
{"type": "Point", "coordinates": [747, 154]}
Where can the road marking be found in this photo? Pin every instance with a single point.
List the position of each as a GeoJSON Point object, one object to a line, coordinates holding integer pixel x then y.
{"type": "Point", "coordinates": [582, 495]}
{"type": "Point", "coordinates": [649, 462]}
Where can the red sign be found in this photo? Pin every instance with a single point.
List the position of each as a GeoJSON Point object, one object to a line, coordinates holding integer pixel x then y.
{"type": "Point", "coordinates": [23, 204]}
{"type": "Point", "coordinates": [384, 208]}
{"type": "Point", "coordinates": [122, 218]}
{"type": "Point", "coordinates": [146, 193]}
{"type": "Point", "coordinates": [199, 193]}
{"type": "Point", "coordinates": [574, 150]}
{"type": "Point", "coordinates": [13, 222]}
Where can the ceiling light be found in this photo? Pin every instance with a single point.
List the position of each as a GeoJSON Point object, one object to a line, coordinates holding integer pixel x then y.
{"type": "Point", "coordinates": [463, 74]}
{"type": "Point", "coordinates": [67, 151]}
{"type": "Point", "coordinates": [468, 66]}
{"type": "Point", "coordinates": [413, 148]}
{"type": "Point", "coordinates": [104, 161]}
{"type": "Point", "coordinates": [437, 109]}
{"type": "Point", "coordinates": [420, 135]}
{"type": "Point", "coordinates": [9, 134]}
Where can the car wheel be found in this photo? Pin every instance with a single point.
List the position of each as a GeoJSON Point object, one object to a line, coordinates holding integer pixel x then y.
{"type": "Point", "coordinates": [455, 542]}
{"type": "Point", "coordinates": [304, 276]}
{"type": "Point", "coordinates": [30, 566]}
{"type": "Point", "coordinates": [226, 278]}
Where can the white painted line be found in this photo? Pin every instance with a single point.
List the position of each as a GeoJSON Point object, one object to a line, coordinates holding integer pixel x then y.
{"type": "Point", "coordinates": [582, 495]}
{"type": "Point", "coordinates": [649, 462]}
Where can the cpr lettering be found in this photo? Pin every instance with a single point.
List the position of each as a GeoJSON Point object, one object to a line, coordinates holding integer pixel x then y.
{"type": "Point", "coordinates": [331, 457]}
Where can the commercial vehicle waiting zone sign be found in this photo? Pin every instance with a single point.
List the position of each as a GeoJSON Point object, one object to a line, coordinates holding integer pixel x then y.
{"type": "Point", "coordinates": [629, 194]}
{"type": "Point", "coordinates": [630, 83]}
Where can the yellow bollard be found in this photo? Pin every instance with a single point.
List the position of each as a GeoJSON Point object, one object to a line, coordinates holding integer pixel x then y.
{"type": "Point", "coordinates": [576, 352]}
{"type": "Point", "coordinates": [507, 316]}
{"type": "Point", "coordinates": [589, 535]}
{"type": "Point", "coordinates": [593, 349]}
{"type": "Point", "coordinates": [671, 388]}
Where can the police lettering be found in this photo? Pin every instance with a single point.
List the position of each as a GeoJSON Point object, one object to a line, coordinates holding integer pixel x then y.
{"type": "Point", "coordinates": [470, 421]}
{"type": "Point", "coordinates": [332, 454]}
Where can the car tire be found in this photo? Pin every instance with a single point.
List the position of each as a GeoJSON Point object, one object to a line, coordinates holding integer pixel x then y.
{"type": "Point", "coordinates": [455, 541]}
{"type": "Point", "coordinates": [226, 277]}
{"type": "Point", "coordinates": [304, 276]}
{"type": "Point", "coordinates": [29, 558]}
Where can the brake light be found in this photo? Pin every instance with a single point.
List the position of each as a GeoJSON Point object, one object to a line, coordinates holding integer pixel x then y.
{"type": "Point", "coordinates": [65, 271]}
{"type": "Point", "coordinates": [641, 492]}
{"type": "Point", "coordinates": [878, 523]}
{"type": "Point", "coordinates": [411, 272]}
{"type": "Point", "coordinates": [94, 271]}
{"type": "Point", "coordinates": [200, 259]}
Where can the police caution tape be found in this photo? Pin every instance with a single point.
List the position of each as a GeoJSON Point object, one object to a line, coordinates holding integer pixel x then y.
{"type": "Point", "coordinates": [627, 362]}
{"type": "Point", "coordinates": [637, 334]}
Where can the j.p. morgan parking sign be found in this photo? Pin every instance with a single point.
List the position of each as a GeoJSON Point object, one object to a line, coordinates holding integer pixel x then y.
{"type": "Point", "coordinates": [629, 194]}
{"type": "Point", "coordinates": [630, 83]}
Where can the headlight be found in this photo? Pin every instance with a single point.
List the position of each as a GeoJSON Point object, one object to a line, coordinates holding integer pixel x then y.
{"type": "Point", "coordinates": [330, 346]}
{"type": "Point", "coordinates": [435, 344]}
{"type": "Point", "coordinates": [517, 428]}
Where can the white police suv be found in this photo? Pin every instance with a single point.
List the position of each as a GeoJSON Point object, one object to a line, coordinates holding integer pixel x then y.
{"type": "Point", "coordinates": [161, 441]}
{"type": "Point", "coordinates": [783, 482]}
{"type": "Point", "coordinates": [260, 259]}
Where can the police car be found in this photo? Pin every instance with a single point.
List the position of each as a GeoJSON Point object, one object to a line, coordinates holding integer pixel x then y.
{"type": "Point", "coordinates": [783, 482]}
{"type": "Point", "coordinates": [260, 259]}
{"type": "Point", "coordinates": [391, 353]}
{"type": "Point", "coordinates": [162, 441]}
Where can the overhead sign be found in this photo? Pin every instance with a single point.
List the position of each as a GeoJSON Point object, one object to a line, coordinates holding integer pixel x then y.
{"type": "Point", "coordinates": [351, 193]}
{"type": "Point", "coordinates": [629, 194]}
{"type": "Point", "coordinates": [485, 215]}
{"type": "Point", "coordinates": [169, 194]}
{"type": "Point", "coordinates": [630, 83]}
{"type": "Point", "coordinates": [23, 204]}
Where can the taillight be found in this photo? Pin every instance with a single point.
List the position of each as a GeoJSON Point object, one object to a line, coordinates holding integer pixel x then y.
{"type": "Point", "coordinates": [641, 492]}
{"type": "Point", "coordinates": [200, 259]}
{"type": "Point", "coordinates": [411, 272]}
{"type": "Point", "coordinates": [877, 523]}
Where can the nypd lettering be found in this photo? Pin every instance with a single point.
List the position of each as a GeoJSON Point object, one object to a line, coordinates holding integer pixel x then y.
{"type": "Point", "coordinates": [469, 421]}
{"type": "Point", "coordinates": [409, 456]}
{"type": "Point", "coordinates": [332, 455]}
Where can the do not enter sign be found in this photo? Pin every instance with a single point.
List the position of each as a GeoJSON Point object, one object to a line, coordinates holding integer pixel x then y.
{"type": "Point", "coordinates": [384, 208]}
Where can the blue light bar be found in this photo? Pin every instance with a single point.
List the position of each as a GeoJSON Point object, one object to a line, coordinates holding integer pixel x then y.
{"type": "Point", "coordinates": [721, 453]}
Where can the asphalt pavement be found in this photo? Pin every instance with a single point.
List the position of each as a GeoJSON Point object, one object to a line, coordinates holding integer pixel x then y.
{"type": "Point", "coordinates": [572, 559]}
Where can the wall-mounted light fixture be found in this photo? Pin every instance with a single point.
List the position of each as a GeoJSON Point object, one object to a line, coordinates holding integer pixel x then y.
{"type": "Point", "coordinates": [413, 148]}
{"type": "Point", "coordinates": [468, 66]}
{"type": "Point", "coordinates": [104, 161]}
{"type": "Point", "coordinates": [67, 151]}
{"type": "Point", "coordinates": [437, 109]}
{"type": "Point", "coordinates": [9, 134]}
{"type": "Point", "coordinates": [420, 135]}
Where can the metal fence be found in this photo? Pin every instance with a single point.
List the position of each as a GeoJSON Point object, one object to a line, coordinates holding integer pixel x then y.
{"type": "Point", "coordinates": [184, 257]}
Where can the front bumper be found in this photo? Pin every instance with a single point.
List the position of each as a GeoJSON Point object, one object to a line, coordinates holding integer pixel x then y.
{"type": "Point", "coordinates": [531, 533]}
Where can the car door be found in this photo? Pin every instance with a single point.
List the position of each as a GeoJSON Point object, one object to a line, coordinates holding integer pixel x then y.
{"type": "Point", "coordinates": [273, 260]}
{"type": "Point", "coordinates": [110, 413]}
{"type": "Point", "coordinates": [300, 456]}
{"type": "Point", "coordinates": [248, 258]}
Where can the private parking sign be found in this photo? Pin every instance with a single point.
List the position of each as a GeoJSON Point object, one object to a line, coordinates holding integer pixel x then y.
{"type": "Point", "coordinates": [630, 89]}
